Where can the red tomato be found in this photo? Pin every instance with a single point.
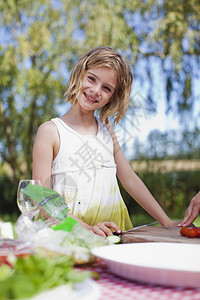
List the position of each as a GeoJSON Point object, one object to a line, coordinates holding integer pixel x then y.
{"type": "Point", "coordinates": [183, 231]}
{"type": "Point", "coordinates": [3, 259]}
{"type": "Point", "coordinates": [188, 232]}
{"type": "Point", "coordinates": [191, 233]}
{"type": "Point", "coordinates": [197, 229]}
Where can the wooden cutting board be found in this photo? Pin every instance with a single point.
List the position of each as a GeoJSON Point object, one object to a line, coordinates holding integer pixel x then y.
{"type": "Point", "coordinates": [156, 234]}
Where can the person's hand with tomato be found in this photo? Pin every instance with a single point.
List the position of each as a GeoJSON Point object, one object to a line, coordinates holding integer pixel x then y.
{"type": "Point", "coordinates": [192, 211]}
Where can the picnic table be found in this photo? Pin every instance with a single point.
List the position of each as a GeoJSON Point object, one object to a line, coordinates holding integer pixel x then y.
{"type": "Point", "coordinates": [114, 287]}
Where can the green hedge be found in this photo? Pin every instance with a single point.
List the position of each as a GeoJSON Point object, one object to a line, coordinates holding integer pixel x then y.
{"type": "Point", "coordinates": [8, 191]}
{"type": "Point", "coordinates": [173, 191]}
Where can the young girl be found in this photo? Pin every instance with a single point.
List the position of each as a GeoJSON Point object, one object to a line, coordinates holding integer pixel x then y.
{"type": "Point", "coordinates": [79, 153]}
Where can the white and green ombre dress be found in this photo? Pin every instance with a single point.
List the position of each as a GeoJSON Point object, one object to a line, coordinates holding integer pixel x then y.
{"type": "Point", "coordinates": [85, 163]}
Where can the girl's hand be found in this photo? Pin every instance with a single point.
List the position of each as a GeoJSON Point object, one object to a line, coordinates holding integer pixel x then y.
{"type": "Point", "coordinates": [173, 223]}
{"type": "Point", "coordinates": [103, 229]}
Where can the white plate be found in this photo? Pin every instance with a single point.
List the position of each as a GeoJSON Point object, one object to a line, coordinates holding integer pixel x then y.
{"type": "Point", "coordinates": [168, 264]}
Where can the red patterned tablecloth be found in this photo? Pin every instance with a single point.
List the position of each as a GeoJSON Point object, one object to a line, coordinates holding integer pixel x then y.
{"type": "Point", "coordinates": [117, 288]}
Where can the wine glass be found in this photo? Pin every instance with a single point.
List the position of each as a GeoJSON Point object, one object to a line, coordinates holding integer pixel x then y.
{"type": "Point", "coordinates": [27, 205]}
{"type": "Point", "coordinates": [69, 195]}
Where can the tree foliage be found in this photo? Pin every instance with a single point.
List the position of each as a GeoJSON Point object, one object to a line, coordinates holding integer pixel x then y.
{"type": "Point", "coordinates": [167, 32]}
{"type": "Point", "coordinates": [32, 82]}
{"type": "Point", "coordinates": [41, 40]}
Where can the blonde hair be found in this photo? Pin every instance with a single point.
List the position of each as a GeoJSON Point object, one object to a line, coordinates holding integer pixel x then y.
{"type": "Point", "coordinates": [103, 57]}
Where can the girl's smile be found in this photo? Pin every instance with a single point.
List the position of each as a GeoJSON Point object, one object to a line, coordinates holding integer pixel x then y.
{"type": "Point", "coordinates": [90, 99]}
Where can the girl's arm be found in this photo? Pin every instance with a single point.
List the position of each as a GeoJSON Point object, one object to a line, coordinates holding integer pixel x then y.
{"type": "Point", "coordinates": [45, 149]}
{"type": "Point", "coordinates": [135, 187]}
{"type": "Point", "coordinates": [43, 152]}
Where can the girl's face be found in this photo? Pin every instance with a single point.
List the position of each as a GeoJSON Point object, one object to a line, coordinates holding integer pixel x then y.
{"type": "Point", "coordinates": [97, 88]}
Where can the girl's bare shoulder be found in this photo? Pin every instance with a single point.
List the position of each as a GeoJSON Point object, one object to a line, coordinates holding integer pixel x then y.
{"type": "Point", "coordinates": [47, 131]}
{"type": "Point", "coordinates": [47, 127]}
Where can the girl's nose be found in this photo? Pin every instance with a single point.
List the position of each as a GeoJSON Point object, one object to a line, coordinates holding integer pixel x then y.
{"type": "Point", "coordinates": [96, 90]}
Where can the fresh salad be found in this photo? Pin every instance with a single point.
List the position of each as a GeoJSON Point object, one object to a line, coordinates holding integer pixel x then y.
{"type": "Point", "coordinates": [25, 276]}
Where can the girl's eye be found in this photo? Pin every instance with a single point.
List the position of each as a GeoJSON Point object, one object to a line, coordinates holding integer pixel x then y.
{"type": "Point", "coordinates": [91, 78]}
{"type": "Point", "coordinates": [107, 88]}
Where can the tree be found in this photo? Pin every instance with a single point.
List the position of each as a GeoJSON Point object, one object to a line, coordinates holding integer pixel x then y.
{"type": "Point", "coordinates": [32, 81]}
{"type": "Point", "coordinates": [173, 144]}
{"type": "Point", "coordinates": [150, 31]}
{"type": "Point", "coordinates": [41, 40]}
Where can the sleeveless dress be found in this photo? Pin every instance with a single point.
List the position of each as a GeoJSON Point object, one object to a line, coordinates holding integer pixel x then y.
{"type": "Point", "coordinates": [84, 173]}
